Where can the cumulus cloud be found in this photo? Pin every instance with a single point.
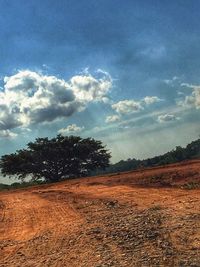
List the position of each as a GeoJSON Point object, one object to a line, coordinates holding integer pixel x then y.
{"type": "Point", "coordinates": [87, 88]}
{"type": "Point", "coordinates": [7, 134]}
{"type": "Point", "coordinates": [192, 100]}
{"type": "Point", "coordinates": [71, 129]}
{"type": "Point", "coordinates": [127, 106]}
{"type": "Point", "coordinates": [167, 118]}
{"type": "Point", "coordinates": [130, 106]}
{"type": "Point", "coordinates": [148, 100]}
{"type": "Point", "coordinates": [113, 118]}
{"type": "Point", "coordinates": [30, 98]}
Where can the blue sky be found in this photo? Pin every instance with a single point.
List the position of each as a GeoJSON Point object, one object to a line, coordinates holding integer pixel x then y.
{"type": "Point", "coordinates": [124, 72]}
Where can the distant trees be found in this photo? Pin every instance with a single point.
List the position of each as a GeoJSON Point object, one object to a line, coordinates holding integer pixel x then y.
{"type": "Point", "coordinates": [191, 151]}
{"type": "Point", "coordinates": [56, 158]}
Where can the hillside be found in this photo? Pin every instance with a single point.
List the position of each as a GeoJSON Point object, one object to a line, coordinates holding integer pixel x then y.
{"type": "Point", "coordinates": [139, 218]}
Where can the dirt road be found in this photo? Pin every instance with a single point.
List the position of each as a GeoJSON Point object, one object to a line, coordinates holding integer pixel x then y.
{"type": "Point", "coordinates": [141, 218]}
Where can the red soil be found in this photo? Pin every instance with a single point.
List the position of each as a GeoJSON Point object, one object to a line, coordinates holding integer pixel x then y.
{"type": "Point", "coordinates": [139, 218]}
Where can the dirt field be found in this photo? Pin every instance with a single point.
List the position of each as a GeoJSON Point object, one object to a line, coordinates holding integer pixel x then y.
{"type": "Point", "coordinates": [140, 218]}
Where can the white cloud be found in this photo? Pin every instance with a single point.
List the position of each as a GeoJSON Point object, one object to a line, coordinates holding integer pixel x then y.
{"type": "Point", "coordinates": [70, 129]}
{"type": "Point", "coordinates": [187, 85]}
{"type": "Point", "coordinates": [7, 134]}
{"type": "Point", "coordinates": [30, 98]}
{"type": "Point", "coordinates": [151, 100]}
{"type": "Point", "coordinates": [172, 81]}
{"type": "Point", "coordinates": [87, 88]}
{"type": "Point", "coordinates": [180, 93]}
{"type": "Point", "coordinates": [167, 118]}
{"type": "Point", "coordinates": [130, 106]}
{"type": "Point", "coordinates": [127, 106]}
{"type": "Point", "coordinates": [192, 100]}
{"type": "Point", "coordinates": [113, 118]}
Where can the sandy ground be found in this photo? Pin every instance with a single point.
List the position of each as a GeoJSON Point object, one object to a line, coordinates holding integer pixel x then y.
{"type": "Point", "coordinates": [140, 218]}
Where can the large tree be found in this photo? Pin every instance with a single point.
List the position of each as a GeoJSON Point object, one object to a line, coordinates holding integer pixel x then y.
{"type": "Point", "coordinates": [56, 158]}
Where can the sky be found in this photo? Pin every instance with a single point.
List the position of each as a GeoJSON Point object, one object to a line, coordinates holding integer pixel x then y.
{"type": "Point", "coordinates": [124, 72]}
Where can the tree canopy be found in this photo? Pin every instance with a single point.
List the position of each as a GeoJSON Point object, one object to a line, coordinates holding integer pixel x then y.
{"type": "Point", "coordinates": [56, 158]}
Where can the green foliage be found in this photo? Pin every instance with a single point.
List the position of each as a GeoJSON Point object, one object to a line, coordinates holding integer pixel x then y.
{"type": "Point", "coordinates": [4, 187]}
{"type": "Point", "coordinates": [56, 158]}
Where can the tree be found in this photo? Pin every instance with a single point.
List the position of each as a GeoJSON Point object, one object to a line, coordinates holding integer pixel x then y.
{"type": "Point", "coordinates": [56, 158]}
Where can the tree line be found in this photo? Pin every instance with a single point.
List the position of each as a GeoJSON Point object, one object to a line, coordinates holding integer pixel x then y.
{"type": "Point", "coordinates": [191, 151]}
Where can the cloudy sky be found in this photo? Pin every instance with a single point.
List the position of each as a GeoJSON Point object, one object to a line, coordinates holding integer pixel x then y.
{"type": "Point", "coordinates": [125, 72]}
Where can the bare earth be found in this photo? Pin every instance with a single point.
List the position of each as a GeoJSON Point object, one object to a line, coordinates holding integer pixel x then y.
{"type": "Point", "coordinates": [140, 218]}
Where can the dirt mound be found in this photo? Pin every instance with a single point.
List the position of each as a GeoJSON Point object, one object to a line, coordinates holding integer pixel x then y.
{"type": "Point", "coordinates": [140, 218]}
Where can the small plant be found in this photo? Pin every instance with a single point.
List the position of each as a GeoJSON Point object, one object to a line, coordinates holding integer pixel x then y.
{"type": "Point", "coordinates": [191, 185]}
{"type": "Point", "coordinates": [155, 178]}
{"type": "Point", "coordinates": [155, 208]}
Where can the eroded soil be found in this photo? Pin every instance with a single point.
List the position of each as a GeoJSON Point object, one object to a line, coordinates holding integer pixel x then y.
{"type": "Point", "coordinates": [140, 218]}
